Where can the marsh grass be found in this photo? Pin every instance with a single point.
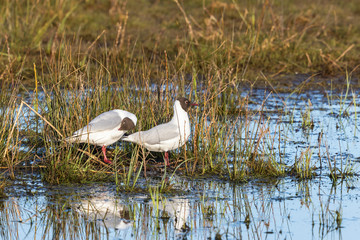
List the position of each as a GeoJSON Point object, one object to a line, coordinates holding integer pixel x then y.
{"type": "Point", "coordinates": [344, 171]}
{"type": "Point", "coordinates": [303, 168]}
{"type": "Point", "coordinates": [343, 111]}
{"type": "Point", "coordinates": [307, 121]}
{"type": "Point", "coordinates": [73, 73]}
{"type": "Point", "coordinates": [11, 132]}
{"type": "Point", "coordinates": [343, 97]}
{"type": "Point", "coordinates": [242, 36]}
{"type": "Point", "coordinates": [229, 139]}
{"type": "Point", "coordinates": [347, 170]}
{"type": "Point", "coordinates": [212, 144]}
{"type": "Point", "coordinates": [131, 175]}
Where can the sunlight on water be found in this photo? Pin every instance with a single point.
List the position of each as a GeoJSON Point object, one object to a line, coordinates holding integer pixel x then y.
{"type": "Point", "coordinates": [211, 209]}
{"type": "Point", "coordinates": [285, 209]}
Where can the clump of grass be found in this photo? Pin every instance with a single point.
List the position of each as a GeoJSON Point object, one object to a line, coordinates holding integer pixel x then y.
{"type": "Point", "coordinates": [343, 172]}
{"type": "Point", "coordinates": [12, 127]}
{"type": "Point", "coordinates": [131, 175]}
{"type": "Point", "coordinates": [254, 151]}
{"type": "Point", "coordinates": [302, 168]}
{"type": "Point", "coordinates": [344, 111]}
{"type": "Point", "coordinates": [263, 161]}
{"type": "Point", "coordinates": [235, 141]}
{"type": "Point", "coordinates": [307, 121]}
{"type": "Point", "coordinates": [220, 120]}
{"type": "Point", "coordinates": [73, 166]}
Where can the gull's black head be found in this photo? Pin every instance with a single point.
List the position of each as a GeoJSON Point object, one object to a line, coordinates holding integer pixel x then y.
{"type": "Point", "coordinates": [126, 124]}
{"type": "Point", "coordinates": [185, 103]}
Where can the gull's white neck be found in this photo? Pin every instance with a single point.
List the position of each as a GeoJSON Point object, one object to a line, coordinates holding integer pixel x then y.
{"type": "Point", "coordinates": [181, 119]}
{"type": "Point", "coordinates": [182, 122]}
{"type": "Point", "coordinates": [180, 115]}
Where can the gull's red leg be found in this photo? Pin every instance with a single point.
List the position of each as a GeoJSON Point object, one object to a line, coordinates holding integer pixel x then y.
{"type": "Point", "coordinates": [167, 159]}
{"type": "Point", "coordinates": [106, 160]}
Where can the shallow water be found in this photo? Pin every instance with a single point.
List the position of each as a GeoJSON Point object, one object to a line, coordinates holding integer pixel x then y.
{"type": "Point", "coordinates": [285, 209]}
{"type": "Point", "coordinates": [208, 208]}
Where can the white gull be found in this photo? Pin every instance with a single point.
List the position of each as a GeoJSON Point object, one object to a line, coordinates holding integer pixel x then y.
{"type": "Point", "coordinates": [105, 129]}
{"type": "Point", "coordinates": [167, 136]}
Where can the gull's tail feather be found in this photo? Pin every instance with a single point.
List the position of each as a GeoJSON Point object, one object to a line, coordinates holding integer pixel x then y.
{"type": "Point", "coordinates": [76, 138]}
{"type": "Point", "coordinates": [72, 139]}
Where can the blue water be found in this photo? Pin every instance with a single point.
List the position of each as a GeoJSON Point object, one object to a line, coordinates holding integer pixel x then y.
{"type": "Point", "coordinates": [209, 208]}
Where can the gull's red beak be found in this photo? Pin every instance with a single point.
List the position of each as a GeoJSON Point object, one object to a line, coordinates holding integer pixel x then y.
{"type": "Point", "coordinates": [194, 104]}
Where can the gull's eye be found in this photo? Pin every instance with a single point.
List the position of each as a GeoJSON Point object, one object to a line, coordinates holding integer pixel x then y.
{"type": "Point", "coordinates": [187, 102]}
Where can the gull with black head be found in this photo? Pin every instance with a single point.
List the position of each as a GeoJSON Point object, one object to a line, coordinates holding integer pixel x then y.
{"type": "Point", "coordinates": [167, 136]}
{"type": "Point", "coordinates": [105, 129]}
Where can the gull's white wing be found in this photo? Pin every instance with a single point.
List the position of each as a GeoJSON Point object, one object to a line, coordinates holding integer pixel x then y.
{"type": "Point", "coordinates": [105, 121]}
{"type": "Point", "coordinates": [155, 135]}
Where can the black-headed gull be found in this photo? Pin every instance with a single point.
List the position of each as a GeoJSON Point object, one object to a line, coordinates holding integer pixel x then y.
{"type": "Point", "coordinates": [105, 129]}
{"type": "Point", "coordinates": [166, 136]}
